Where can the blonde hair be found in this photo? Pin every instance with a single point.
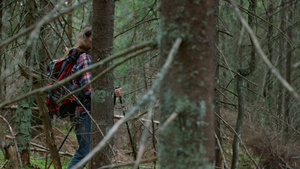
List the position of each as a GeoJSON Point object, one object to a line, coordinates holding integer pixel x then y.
{"type": "Point", "coordinates": [83, 42]}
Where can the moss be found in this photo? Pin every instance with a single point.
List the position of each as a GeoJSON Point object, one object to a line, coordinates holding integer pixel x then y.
{"type": "Point", "coordinates": [197, 2]}
{"type": "Point", "coordinates": [100, 95]}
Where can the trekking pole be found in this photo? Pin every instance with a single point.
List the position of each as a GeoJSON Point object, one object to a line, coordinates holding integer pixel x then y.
{"type": "Point", "coordinates": [62, 143]}
{"type": "Point", "coordinates": [130, 137]}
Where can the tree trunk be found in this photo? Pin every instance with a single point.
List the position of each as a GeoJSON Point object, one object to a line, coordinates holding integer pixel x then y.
{"type": "Point", "coordinates": [24, 112]}
{"type": "Point", "coordinates": [218, 105]}
{"type": "Point", "coordinates": [269, 82]}
{"type": "Point", "coordinates": [288, 71]}
{"type": "Point", "coordinates": [1, 55]}
{"type": "Point", "coordinates": [280, 65]}
{"type": "Point", "coordinates": [70, 22]}
{"type": "Point", "coordinates": [188, 87]}
{"type": "Point", "coordinates": [241, 95]}
{"type": "Point", "coordinates": [102, 95]}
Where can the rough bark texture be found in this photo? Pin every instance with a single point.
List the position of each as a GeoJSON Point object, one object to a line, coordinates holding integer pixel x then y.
{"type": "Point", "coordinates": [188, 141]}
{"type": "Point", "coordinates": [24, 112]}
{"type": "Point", "coordinates": [102, 95]}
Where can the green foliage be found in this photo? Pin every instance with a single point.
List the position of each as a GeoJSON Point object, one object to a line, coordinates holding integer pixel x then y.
{"type": "Point", "coordinates": [40, 162]}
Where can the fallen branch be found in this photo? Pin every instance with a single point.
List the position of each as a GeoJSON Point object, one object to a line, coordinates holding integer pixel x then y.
{"type": "Point", "coordinates": [129, 163]}
{"type": "Point", "coordinates": [144, 120]}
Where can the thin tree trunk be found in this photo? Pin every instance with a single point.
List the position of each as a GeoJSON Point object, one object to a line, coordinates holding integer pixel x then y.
{"type": "Point", "coordinates": [24, 112]}
{"type": "Point", "coordinates": [288, 72]}
{"type": "Point", "coordinates": [188, 87]}
{"type": "Point", "coordinates": [1, 55]}
{"type": "Point", "coordinates": [239, 122]}
{"type": "Point", "coordinates": [268, 93]}
{"type": "Point", "coordinates": [241, 94]}
{"type": "Point", "coordinates": [218, 105]}
{"type": "Point", "coordinates": [102, 95]}
{"type": "Point", "coordinates": [70, 28]}
{"type": "Point", "coordinates": [280, 65]}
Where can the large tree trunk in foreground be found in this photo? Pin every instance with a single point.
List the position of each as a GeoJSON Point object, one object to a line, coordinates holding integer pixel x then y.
{"type": "Point", "coordinates": [188, 87]}
{"type": "Point", "coordinates": [102, 96]}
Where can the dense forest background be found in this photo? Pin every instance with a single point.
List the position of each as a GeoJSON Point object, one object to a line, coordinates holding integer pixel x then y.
{"type": "Point", "coordinates": [256, 103]}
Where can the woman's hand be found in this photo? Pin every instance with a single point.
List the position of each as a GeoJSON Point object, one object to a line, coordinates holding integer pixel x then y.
{"type": "Point", "coordinates": [118, 92]}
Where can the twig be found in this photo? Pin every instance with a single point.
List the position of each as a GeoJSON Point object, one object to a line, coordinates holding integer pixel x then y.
{"type": "Point", "coordinates": [15, 141]}
{"type": "Point", "coordinates": [46, 151]}
{"type": "Point", "coordinates": [134, 26]}
{"type": "Point", "coordinates": [6, 161]}
{"type": "Point", "coordinates": [242, 143]}
{"type": "Point", "coordinates": [230, 70]}
{"type": "Point", "coordinates": [129, 163]}
{"type": "Point", "coordinates": [221, 150]}
{"type": "Point", "coordinates": [144, 137]}
{"type": "Point", "coordinates": [148, 97]}
{"type": "Point", "coordinates": [144, 120]}
{"type": "Point", "coordinates": [169, 120]}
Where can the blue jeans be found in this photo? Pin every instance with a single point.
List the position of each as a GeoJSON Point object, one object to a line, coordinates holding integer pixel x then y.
{"type": "Point", "coordinates": [83, 134]}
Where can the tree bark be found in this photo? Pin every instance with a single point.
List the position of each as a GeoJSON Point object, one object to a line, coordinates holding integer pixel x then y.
{"type": "Point", "coordinates": [1, 55]}
{"type": "Point", "coordinates": [102, 95]}
{"type": "Point", "coordinates": [24, 112]}
{"type": "Point", "coordinates": [70, 28]}
{"type": "Point", "coordinates": [188, 87]}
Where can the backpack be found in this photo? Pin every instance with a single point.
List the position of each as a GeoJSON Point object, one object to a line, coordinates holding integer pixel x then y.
{"type": "Point", "coordinates": [57, 70]}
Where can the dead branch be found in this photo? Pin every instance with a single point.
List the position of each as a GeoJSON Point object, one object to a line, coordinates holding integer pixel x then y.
{"type": "Point", "coordinates": [129, 163]}
{"type": "Point", "coordinates": [15, 141]}
{"type": "Point", "coordinates": [223, 156]}
{"type": "Point", "coordinates": [6, 161]}
{"type": "Point", "coordinates": [144, 137]}
{"type": "Point", "coordinates": [242, 143]}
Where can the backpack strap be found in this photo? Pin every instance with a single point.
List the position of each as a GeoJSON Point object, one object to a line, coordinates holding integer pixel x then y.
{"type": "Point", "coordinates": [72, 57]}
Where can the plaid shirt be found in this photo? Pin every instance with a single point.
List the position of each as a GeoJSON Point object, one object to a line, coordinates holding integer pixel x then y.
{"type": "Point", "coordinates": [83, 61]}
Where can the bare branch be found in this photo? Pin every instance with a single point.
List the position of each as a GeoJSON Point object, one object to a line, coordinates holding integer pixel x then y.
{"type": "Point", "coordinates": [15, 141]}
{"type": "Point", "coordinates": [129, 163]}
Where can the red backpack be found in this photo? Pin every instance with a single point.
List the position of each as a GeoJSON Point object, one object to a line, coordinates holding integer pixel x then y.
{"type": "Point", "coordinates": [57, 70]}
